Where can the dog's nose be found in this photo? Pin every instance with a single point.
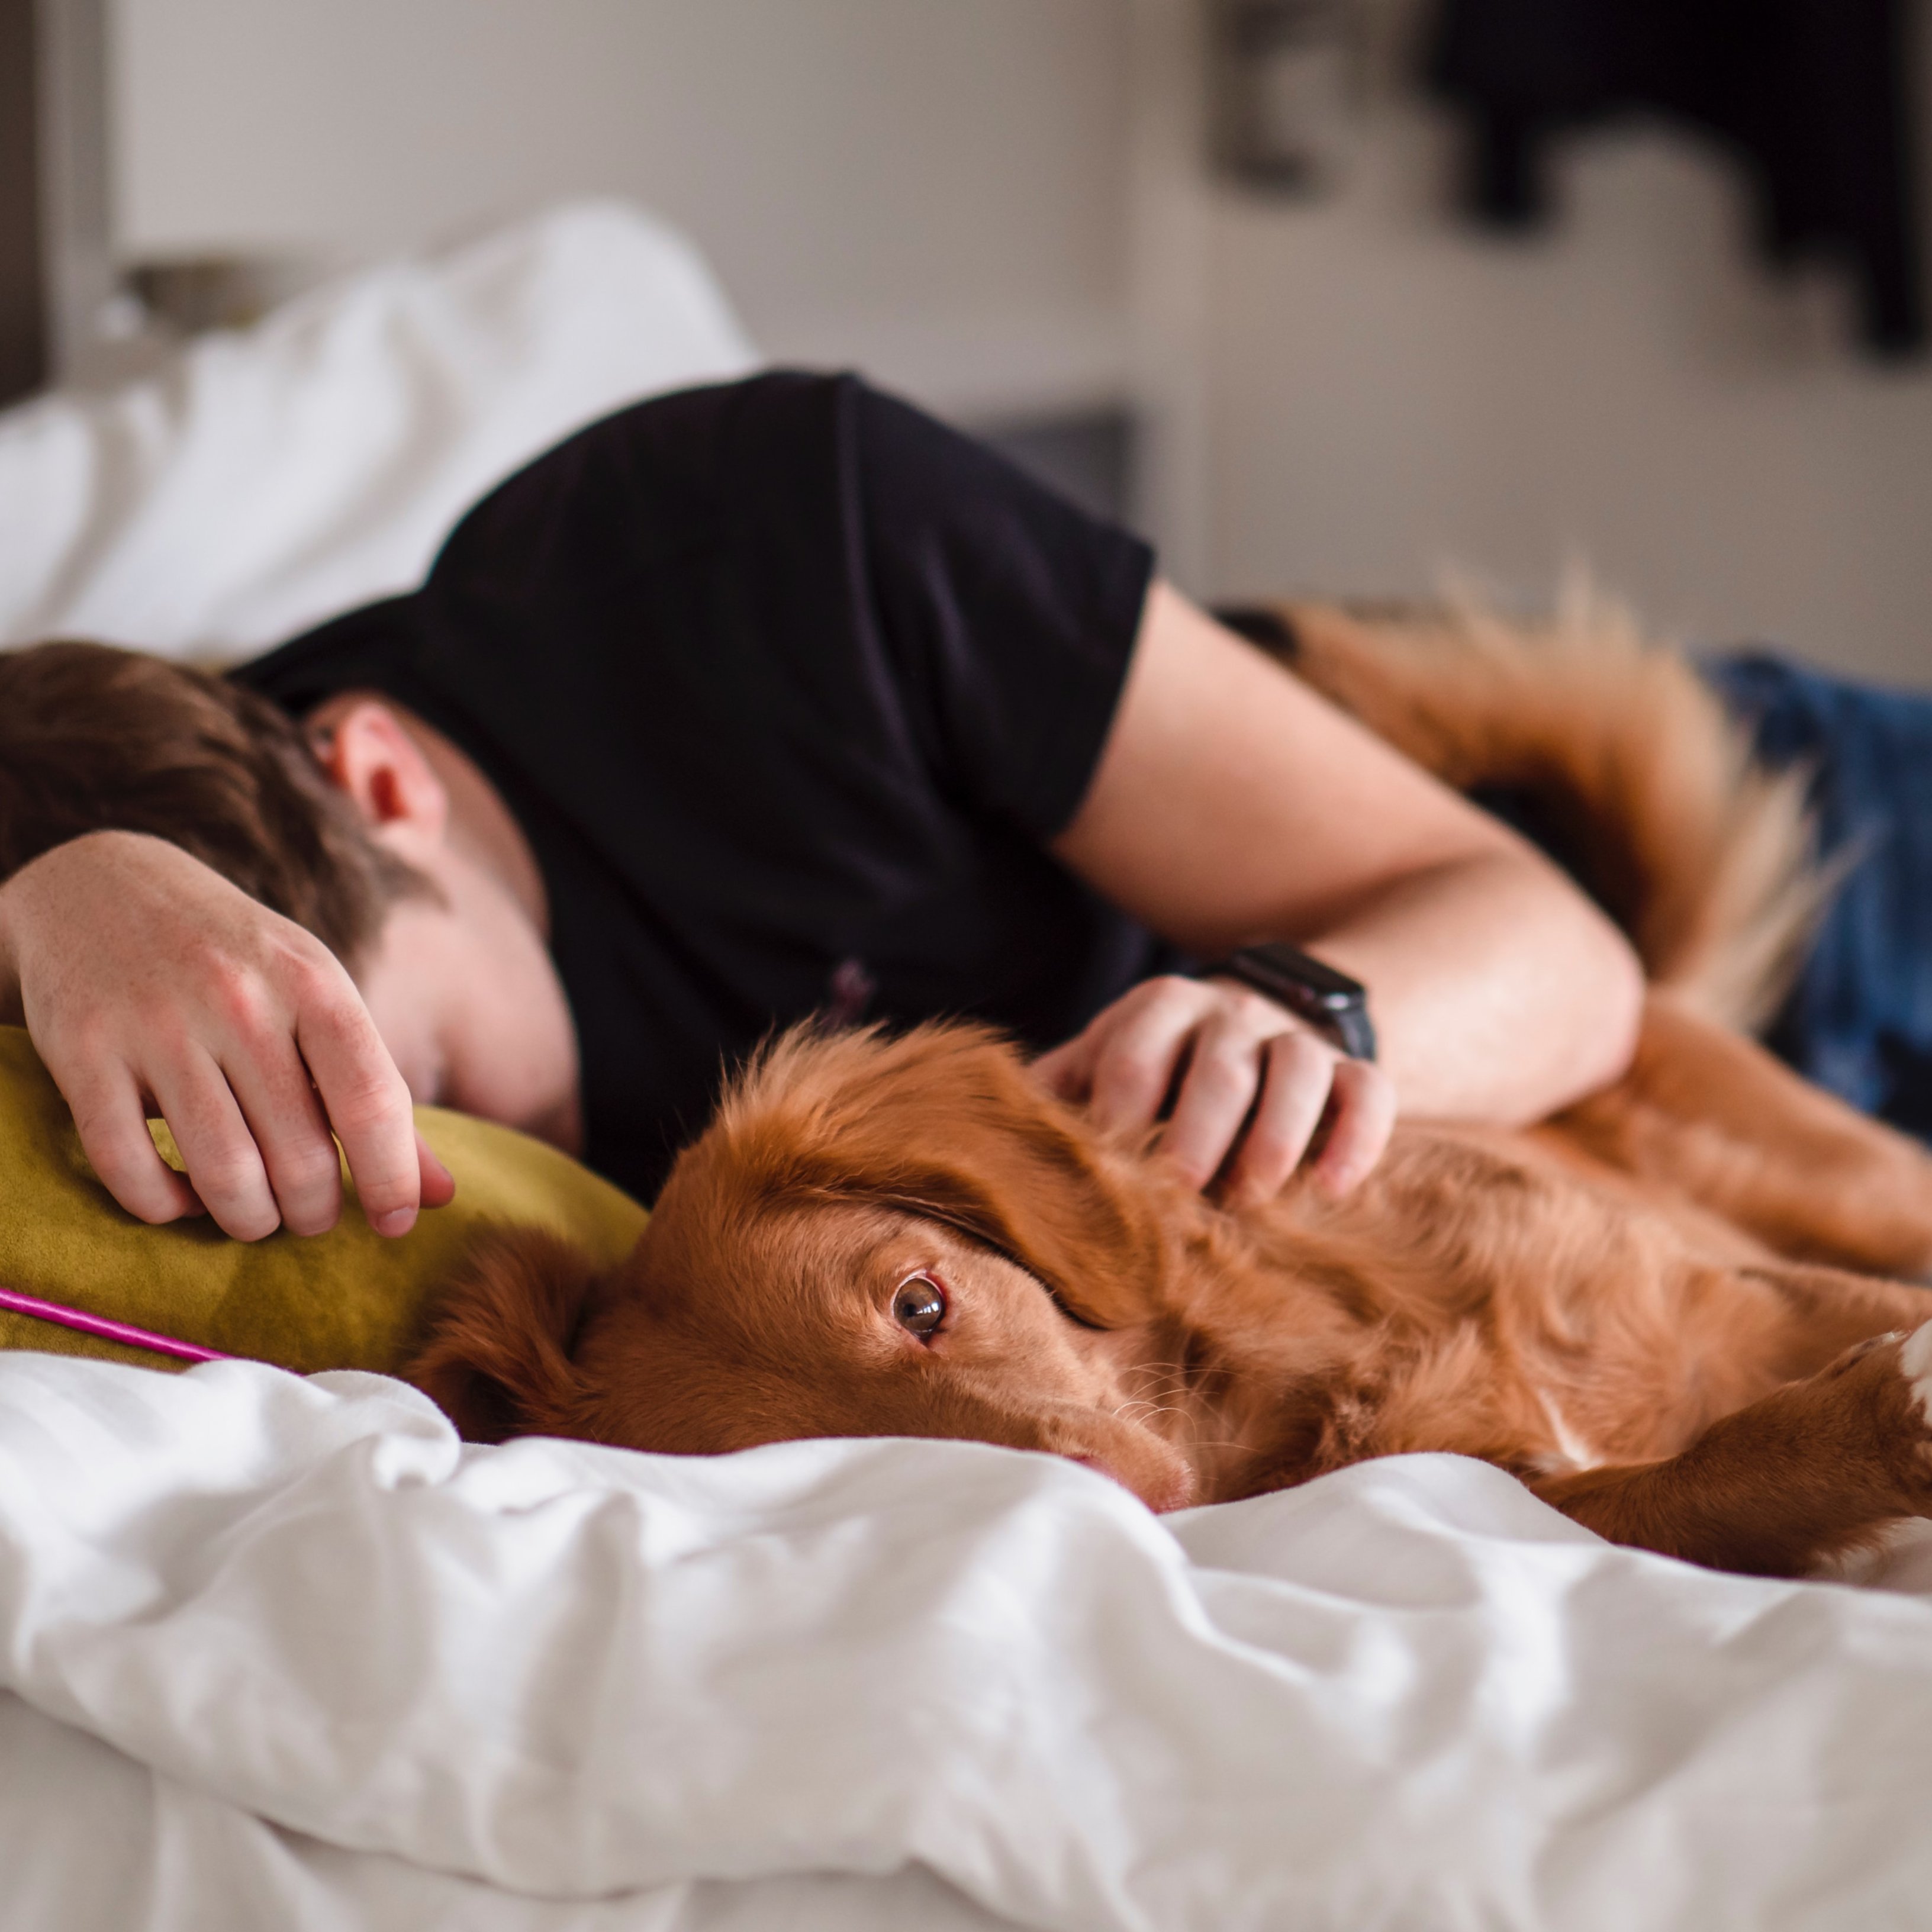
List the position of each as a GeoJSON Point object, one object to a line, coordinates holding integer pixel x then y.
{"type": "Point", "coordinates": [1173, 1488]}
{"type": "Point", "coordinates": [1168, 1487]}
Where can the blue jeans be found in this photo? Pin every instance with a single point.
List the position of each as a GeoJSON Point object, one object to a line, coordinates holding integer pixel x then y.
{"type": "Point", "coordinates": [1859, 1019]}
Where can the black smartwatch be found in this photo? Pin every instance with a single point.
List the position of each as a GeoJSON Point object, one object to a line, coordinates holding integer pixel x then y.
{"type": "Point", "coordinates": [1329, 1001]}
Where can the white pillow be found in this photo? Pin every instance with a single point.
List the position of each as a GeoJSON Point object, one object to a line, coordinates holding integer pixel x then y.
{"type": "Point", "coordinates": [270, 477]}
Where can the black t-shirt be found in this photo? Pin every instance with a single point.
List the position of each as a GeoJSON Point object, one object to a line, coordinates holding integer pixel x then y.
{"type": "Point", "coordinates": [786, 685]}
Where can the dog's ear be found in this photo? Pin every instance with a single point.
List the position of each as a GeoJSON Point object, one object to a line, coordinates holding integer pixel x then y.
{"type": "Point", "coordinates": [496, 1358]}
{"type": "Point", "coordinates": [950, 1122]}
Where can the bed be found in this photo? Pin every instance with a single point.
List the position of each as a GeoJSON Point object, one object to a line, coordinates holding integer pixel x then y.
{"type": "Point", "coordinates": [277, 1651]}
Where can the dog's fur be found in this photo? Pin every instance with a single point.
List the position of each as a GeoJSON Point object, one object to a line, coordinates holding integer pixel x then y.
{"type": "Point", "coordinates": [1662, 1310]}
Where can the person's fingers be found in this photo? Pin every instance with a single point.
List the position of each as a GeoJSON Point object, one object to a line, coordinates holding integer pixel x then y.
{"type": "Point", "coordinates": [1135, 1066]}
{"type": "Point", "coordinates": [111, 1120]}
{"type": "Point", "coordinates": [1300, 1076]}
{"type": "Point", "coordinates": [1223, 1070]}
{"type": "Point", "coordinates": [224, 1163]}
{"type": "Point", "coordinates": [1239, 1087]}
{"type": "Point", "coordinates": [272, 1086]}
{"type": "Point", "coordinates": [1067, 1070]}
{"type": "Point", "coordinates": [438, 1183]}
{"type": "Point", "coordinates": [367, 1103]}
{"type": "Point", "coordinates": [1364, 1118]}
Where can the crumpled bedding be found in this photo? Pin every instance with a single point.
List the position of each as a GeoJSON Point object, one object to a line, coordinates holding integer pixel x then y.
{"type": "Point", "coordinates": [268, 478]}
{"type": "Point", "coordinates": [309, 1661]}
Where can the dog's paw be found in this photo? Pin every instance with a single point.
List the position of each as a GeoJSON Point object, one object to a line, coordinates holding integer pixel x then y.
{"type": "Point", "coordinates": [1861, 1351]}
{"type": "Point", "coordinates": [1914, 1364]}
{"type": "Point", "coordinates": [1888, 1379]}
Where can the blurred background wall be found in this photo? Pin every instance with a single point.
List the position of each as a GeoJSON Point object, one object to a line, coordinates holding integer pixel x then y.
{"type": "Point", "coordinates": [931, 188]}
{"type": "Point", "coordinates": [1003, 206]}
{"type": "Point", "coordinates": [1389, 392]}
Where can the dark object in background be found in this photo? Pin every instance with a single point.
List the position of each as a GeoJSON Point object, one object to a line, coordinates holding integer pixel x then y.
{"type": "Point", "coordinates": [1810, 95]}
{"type": "Point", "coordinates": [23, 328]}
{"type": "Point", "coordinates": [1283, 82]}
{"type": "Point", "coordinates": [1087, 455]}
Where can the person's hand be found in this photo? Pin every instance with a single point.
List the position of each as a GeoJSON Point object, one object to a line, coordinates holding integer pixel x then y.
{"type": "Point", "coordinates": [152, 985]}
{"type": "Point", "coordinates": [1251, 1086]}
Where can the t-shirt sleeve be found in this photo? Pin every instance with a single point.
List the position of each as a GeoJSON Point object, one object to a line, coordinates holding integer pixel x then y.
{"type": "Point", "coordinates": [1010, 613]}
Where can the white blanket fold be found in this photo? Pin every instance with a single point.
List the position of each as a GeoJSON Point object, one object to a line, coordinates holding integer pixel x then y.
{"type": "Point", "coordinates": [1406, 1695]}
{"type": "Point", "coordinates": [267, 478]}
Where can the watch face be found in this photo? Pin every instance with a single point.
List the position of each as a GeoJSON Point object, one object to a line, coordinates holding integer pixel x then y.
{"type": "Point", "coordinates": [1336, 1003]}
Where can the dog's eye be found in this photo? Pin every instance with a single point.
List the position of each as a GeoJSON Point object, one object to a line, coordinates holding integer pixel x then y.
{"type": "Point", "coordinates": [918, 1305]}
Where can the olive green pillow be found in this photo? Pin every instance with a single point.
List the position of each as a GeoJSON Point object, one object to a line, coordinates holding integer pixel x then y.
{"type": "Point", "coordinates": [344, 1300]}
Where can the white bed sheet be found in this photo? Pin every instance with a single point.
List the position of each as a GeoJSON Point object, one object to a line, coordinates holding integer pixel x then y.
{"type": "Point", "coordinates": [311, 1662]}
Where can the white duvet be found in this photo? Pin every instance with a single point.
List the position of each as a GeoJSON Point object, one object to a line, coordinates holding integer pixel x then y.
{"type": "Point", "coordinates": [284, 1653]}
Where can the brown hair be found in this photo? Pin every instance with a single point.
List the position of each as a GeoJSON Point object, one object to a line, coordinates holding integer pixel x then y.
{"type": "Point", "coordinates": [96, 739]}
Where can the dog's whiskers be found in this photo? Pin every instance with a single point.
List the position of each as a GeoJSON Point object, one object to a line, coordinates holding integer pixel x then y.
{"type": "Point", "coordinates": [1167, 1379]}
{"type": "Point", "coordinates": [1152, 1408]}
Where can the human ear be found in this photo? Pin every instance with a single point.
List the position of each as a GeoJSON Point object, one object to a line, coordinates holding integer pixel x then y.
{"type": "Point", "coordinates": [497, 1357]}
{"type": "Point", "coordinates": [366, 752]}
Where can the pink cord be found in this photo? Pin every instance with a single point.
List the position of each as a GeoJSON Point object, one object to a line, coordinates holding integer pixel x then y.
{"type": "Point", "coordinates": [12, 1301]}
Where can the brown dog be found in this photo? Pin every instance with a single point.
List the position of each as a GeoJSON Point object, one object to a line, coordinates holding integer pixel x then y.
{"type": "Point", "coordinates": [1660, 1310]}
{"type": "Point", "coordinates": [908, 1237]}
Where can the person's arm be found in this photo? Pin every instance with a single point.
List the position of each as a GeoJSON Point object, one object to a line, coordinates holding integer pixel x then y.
{"type": "Point", "coordinates": [1231, 804]}
{"type": "Point", "coordinates": [151, 985]}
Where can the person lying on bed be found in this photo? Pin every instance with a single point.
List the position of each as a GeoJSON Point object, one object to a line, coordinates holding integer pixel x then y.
{"type": "Point", "coordinates": [746, 703]}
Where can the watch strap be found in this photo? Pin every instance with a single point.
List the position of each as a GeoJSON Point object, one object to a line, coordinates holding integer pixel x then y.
{"type": "Point", "coordinates": [1330, 1002]}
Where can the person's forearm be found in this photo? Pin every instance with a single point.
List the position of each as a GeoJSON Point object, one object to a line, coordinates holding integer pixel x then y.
{"type": "Point", "coordinates": [1231, 804]}
{"type": "Point", "coordinates": [1497, 992]}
